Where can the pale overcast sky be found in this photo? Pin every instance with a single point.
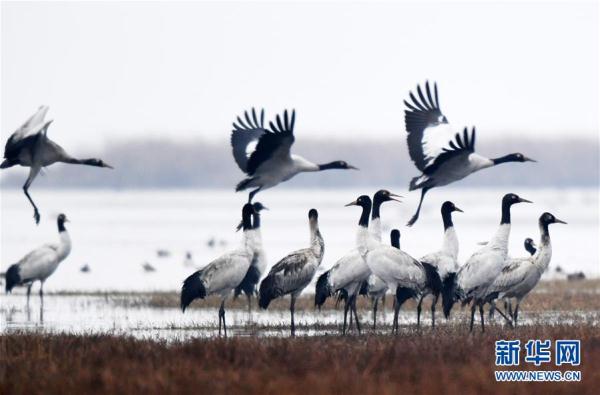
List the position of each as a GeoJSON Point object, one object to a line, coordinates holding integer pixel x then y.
{"type": "Point", "coordinates": [184, 70]}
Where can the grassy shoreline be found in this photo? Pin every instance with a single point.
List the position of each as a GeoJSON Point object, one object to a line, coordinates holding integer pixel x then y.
{"type": "Point", "coordinates": [445, 361]}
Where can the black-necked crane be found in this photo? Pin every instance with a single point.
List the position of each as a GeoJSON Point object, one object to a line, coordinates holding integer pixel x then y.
{"type": "Point", "coordinates": [295, 271]}
{"type": "Point", "coordinates": [484, 266]}
{"type": "Point", "coordinates": [441, 153]}
{"type": "Point", "coordinates": [519, 276]}
{"type": "Point", "coordinates": [403, 274]}
{"type": "Point", "coordinates": [349, 272]}
{"type": "Point", "coordinates": [445, 261]}
{"type": "Point", "coordinates": [29, 146]}
{"type": "Point", "coordinates": [40, 263]}
{"type": "Point", "coordinates": [221, 276]}
{"type": "Point", "coordinates": [374, 287]}
{"type": "Point", "coordinates": [259, 259]}
{"type": "Point", "coordinates": [531, 248]}
{"type": "Point", "coordinates": [264, 153]}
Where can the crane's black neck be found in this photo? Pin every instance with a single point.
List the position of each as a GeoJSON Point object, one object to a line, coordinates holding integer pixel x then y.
{"type": "Point", "coordinates": [395, 236]}
{"type": "Point", "coordinates": [530, 249]}
{"type": "Point", "coordinates": [447, 218]}
{"type": "Point", "coordinates": [505, 212]}
{"type": "Point", "coordinates": [504, 159]}
{"type": "Point", "coordinates": [256, 220]}
{"type": "Point", "coordinates": [328, 166]}
{"type": "Point", "coordinates": [246, 220]}
{"type": "Point", "coordinates": [544, 232]}
{"type": "Point", "coordinates": [364, 217]}
{"type": "Point", "coordinates": [61, 225]}
{"type": "Point", "coordinates": [377, 202]}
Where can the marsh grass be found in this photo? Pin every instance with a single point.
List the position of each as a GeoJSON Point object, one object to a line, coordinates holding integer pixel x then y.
{"type": "Point", "coordinates": [445, 361]}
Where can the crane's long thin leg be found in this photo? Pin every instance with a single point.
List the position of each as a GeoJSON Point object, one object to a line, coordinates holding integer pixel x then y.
{"type": "Point", "coordinates": [472, 317]}
{"type": "Point", "coordinates": [33, 172]}
{"type": "Point", "coordinates": [355, 313]}
{"type": "Point", "coordinates": [517, 311]}
{"type": "Point", "coordinates": [42, 293]}
{"type": "Point", "coordinates": [350, 310]}
{"type": "Point", "coordinates": [433, 303]}
{"type": "Point", "coordinates": [482, 318]}
{"type": "Point", "coordinates": [345, 316]}
{"type": "Point", "coordinates": [222, 316]}
{"type": "Point", "coordinates": [292, 308]}
{"type": "Point", "coordinates": [396, 311]}
{"type": "Point", "coordinates": [492, 309]}
{"type": "Point", "coordinates": [249, 296]}
{"type": "Point", "coordinates": [415, 217]}
{"type": "Point", "coordinates": [28, 293]}
{"type": "Point", "coordinates": [419, 311]}
{"type": "Point", "coordinates": [505, 317]}
{"type": "Point", "coordinates": [251, 194]}
{"type": "Point", "coordinates": [375, 302]}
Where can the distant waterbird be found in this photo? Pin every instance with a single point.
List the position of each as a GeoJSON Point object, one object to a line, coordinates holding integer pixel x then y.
{"type": "Point", "coordinates": [259, 258]}
{"type": "Point", "coordinates": [519, 276]}
{"type": "Point", "coordinates": [40, 263]}
{"type": "Point", "coordinates": [442, 154]}
{"type": "Point", "coordinates": [221, 276]}
{"type": "Point", "coordinates": [484, 266]}
{"type": "Point", "coordinates": [295, 271]}
{"type": "Point", "coordinates": [85, 268]}
{"type": "Point", "coordinates": [349, 272]}
{"type": "Point", "coordinates": [148, 268]}
{"type": "Point", "coordinates": [263, 153]}
{"type": "Point", "coordinates": [29, 146]}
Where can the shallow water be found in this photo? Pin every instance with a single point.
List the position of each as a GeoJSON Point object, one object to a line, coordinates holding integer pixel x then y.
{"type": "Point", "coordinates": [91, 314]}
{"type": "Point", "coordinates": [115, 232]}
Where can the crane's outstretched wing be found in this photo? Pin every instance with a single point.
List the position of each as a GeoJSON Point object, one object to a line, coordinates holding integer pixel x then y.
{"type": "Point", "coordinates": [18, 142]}
{"type": "Point", "coordinates": [274, 143]}
{"type": "Point", "coordinates": [427, 127]}
{"type": "Point", "coordinates": [245, 136]}
{"type": "Point", "coordinates": [31, 127]}
{"type": "Point", "coordinates": [459, 145]}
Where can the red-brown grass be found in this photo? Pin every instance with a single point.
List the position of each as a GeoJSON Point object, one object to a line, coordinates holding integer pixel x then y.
{"type": "Point", "coordinates": [447, 360]}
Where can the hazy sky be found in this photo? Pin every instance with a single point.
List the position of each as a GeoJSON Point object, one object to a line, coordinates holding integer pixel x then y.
{"type": "Point", "coordinates": [119, 70]}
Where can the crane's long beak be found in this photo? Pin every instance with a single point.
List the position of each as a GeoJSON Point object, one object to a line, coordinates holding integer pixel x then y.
{"type": "Point", "coordinates": [351, 204]}
{"type": "Point", "coordinates": [558, 221]}
{"type": "Point", "coordinates": [521, 200]}
{"type": "Point", "coordinates": [393, 195]}
{"type": "Point", "coordinates": [526, 159]}
{"type": "Point", "coordinates": [353, 167]}
{"type": "Point", "coordinates": [109, 166]}
{"type": "Point", "coordinates": [457, 209]}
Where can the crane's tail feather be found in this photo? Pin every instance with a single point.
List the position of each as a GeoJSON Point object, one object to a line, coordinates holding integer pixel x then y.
{"type": "Point", "coordinates": [12, 278]}
{"type": "Point", "coordinates": [418, 182]}
{"type": "Point", "coordinates": [248, 284]}
{"type": "Point", "coordinates": [434, 282]}
{"type": "Point", "coordinates": [364, 288]}
{"type": "Point", "coordinates": [449, 293]}
{"type": "Point", "coordinates": [244, 184]}
{"type": "Point", "coordinates": [269, 290]}
{"type": "Point", "coordinates": [6, 163]}
{"type": "Point", "coordinates": [323, 289]}
{"type": "Point", "coordinates": [193, 288]}
{"type": "Point", "coordinates": [403, 294]}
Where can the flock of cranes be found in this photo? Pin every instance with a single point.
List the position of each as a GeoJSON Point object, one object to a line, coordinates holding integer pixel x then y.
{"type": "Point", "coordinates": [372, 267]}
